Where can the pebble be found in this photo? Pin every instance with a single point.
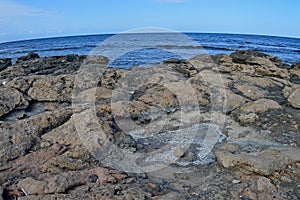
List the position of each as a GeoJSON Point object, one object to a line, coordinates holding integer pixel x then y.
{"type": "Point", "coordinates": [93, 178]}
{"type": "Point", "coordinates": [235, 181]}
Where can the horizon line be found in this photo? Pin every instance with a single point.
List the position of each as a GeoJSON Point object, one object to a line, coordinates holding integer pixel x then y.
{"type": "Point", "coordinates": [114, 33]}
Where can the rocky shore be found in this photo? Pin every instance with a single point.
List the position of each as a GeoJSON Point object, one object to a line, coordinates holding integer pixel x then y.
{"type": "Point", "coordinates": [211, 127]}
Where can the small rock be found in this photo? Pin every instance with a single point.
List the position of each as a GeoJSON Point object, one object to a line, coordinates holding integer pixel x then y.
{"type": "Point", "coordinates": [178, 152]}
{"type": "Point", "coordinates": [93, 178]}
{"type": "Point", "coordinates": [32, 186]}
{"type": "Point", "coordinates": [248, 118]}
{"type": "Point", "coordinates": [264, 184]}
{"type": "Point", "coordinates": [235, 181]}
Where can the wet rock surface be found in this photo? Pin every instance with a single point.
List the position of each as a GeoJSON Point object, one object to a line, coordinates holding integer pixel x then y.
{"type": "Point", "coordinates": [211, 127]}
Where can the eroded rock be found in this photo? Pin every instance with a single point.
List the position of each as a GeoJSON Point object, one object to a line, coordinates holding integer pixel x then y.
{"type": "Point", "coordinates": [265, 162]}
{"type": "Point", "coordinates": [261, 105]}
{"type": "Point", "coordinates": [21, 136]}
{"type": "Point", "coordinates": [60, 183]}
{"type": "Point", "coordinates": [294, 98]}
{"type": "Point", "coordinates": [55, 88]}
{"type": "Point", "coordinates": [11, 99]}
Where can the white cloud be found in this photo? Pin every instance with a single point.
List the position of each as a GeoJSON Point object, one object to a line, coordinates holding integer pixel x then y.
{"type": "Point", "coordinates": [13, 9]}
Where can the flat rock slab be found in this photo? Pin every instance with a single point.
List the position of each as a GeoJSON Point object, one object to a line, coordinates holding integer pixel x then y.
{"type": "Point", "coordinates": [265, 163]}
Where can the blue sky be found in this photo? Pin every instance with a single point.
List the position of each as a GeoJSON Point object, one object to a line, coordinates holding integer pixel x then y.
{"type": "Point", "coordinates": [23, 19]}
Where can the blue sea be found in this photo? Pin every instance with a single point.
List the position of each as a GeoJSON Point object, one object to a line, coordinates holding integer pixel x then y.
{"type": "Point", "coordinates": [125, 50]}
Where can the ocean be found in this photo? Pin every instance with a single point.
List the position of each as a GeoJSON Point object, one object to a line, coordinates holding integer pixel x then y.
{"type": "Point", "coordinates": [125, 50]}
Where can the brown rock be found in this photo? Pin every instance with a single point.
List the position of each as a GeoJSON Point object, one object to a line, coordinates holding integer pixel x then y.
{"type": "Point", "coordinates": [264, 82]}
{"type": "Point", "coordinates": [264, 163]}
{"type": "Point", "coordinates": [63, 163]}
{"type": "Point", "coordinates": [22, 83]}
{"type": "Point", "coordinates": [233, 101]}
{"type": "Point", "coordinates": [264, 184]}
{"type": "Point", "coordinates": [11, 99]}
{"type": "Point", "coordinates": [294, 98]}
{"type": "Point", "coordinates": [158, 96]}
{"type": "Point", "coordinates": [32, 186]}
{"type": "Point", "coordinates": [187, 70]}
{"type": "Point", "coordinates": [273, 71]}
{"type": "Point", "coordinates": [248, 118]}
{"type": "Point", "coordinates": [65, 134]}
{"type": "Point", "coordinates": [29, 163]}
{"type": "Point", "coordinates": [259, 61]}
{"type": "Point", "coordinates": [52, 88]}
{"type": "Point", "coordinates": [24, 134]}
{"type": "Point", "coordinates": [96, 60]}
{"type": "Point", "coordinates": [49, 184]}
{"type": "Point", "coordinates": [110, 77]}
{"type": "Point", "coordinates": [250, 91]}
{"type": "Point", "coordinates": [222, 58]}
{"type": "Point", "coordinates": [259, 106]}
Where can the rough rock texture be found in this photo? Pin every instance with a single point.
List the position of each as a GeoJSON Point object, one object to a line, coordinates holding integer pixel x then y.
{"type": "Point", "coordinates": [61, 182]}
{"type": "Point", "coordinates": [71, 127]}
{"type": "Point", "coordinates": [265, 162]}
{"type": "Point", "coordinates": [259, 106]}
{"type": "Point", "coordinates": [294, 98]}
{"type": "Point", "coordinates": [58, 88]}
{"type": "Point", "coordinates": [11, 99]}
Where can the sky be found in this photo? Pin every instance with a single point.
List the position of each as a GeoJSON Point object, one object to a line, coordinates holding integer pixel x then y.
{"type": "Point", "coordinates": [28, 19]}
